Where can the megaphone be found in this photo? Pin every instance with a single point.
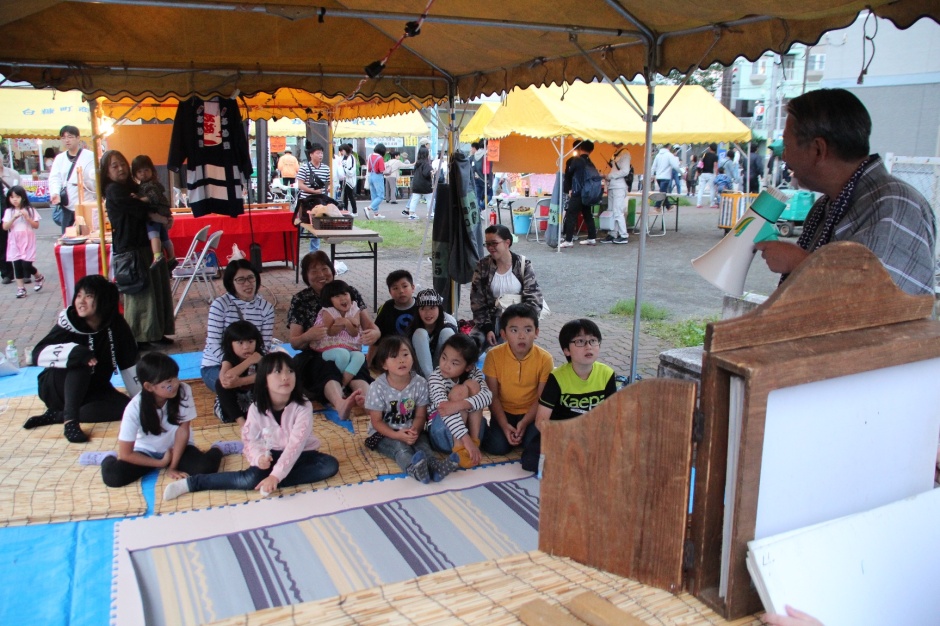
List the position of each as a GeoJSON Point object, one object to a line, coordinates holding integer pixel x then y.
{"type": "Point", "coordinates": [727, 263]}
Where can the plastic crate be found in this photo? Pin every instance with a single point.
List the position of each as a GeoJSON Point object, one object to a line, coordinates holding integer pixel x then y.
{"type": "Point", "coordinates": [332, 223]}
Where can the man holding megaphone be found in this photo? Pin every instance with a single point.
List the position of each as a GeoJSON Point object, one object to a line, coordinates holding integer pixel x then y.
{"type": "Point", "coordinates": [826, 146]}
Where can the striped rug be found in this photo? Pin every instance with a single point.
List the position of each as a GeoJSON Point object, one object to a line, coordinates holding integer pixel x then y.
{"type": "Point", "coordinates": [318, 557]}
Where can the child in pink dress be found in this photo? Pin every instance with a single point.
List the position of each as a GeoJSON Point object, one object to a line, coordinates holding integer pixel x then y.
{"type": "Point", "coordinates": [342, 343]}
{"type": "Point", "coordinates": [21, 220]}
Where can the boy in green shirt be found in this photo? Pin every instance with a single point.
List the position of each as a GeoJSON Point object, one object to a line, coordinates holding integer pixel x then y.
{"type": "Point", "coordinates": [574, 388]}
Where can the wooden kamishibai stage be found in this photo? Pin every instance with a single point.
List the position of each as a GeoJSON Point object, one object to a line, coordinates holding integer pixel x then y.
{"type": "Point", "coordinates": [616, 485]}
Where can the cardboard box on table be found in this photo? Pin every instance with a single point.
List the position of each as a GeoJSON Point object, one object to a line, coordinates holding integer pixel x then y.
{"type": "Point", "coordinates": [615, 491]}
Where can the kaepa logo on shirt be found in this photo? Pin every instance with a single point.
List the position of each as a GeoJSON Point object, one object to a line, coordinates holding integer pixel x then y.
{"type": "Point", "coordinates": [580, 402]}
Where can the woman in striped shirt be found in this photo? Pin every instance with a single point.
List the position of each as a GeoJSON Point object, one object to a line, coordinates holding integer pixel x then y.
{"type": "Point", "coordinates": [242, 302]}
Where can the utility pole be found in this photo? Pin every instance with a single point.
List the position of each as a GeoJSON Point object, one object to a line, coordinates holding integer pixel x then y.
{"type": "Point", "coordinates": [773, 100]}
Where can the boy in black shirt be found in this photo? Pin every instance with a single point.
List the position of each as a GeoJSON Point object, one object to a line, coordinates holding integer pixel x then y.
{"type": "Point", "coordinates": [396, 314]}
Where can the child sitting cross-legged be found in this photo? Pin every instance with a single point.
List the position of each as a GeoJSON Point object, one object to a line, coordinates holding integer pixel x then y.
{"type": "Point", "coordinates": [515, 372]}
{"type": "Point", "coordinates": [278, 439]}
{"type": "Point", "coordinates": [397, 403]}
{"type": "Point", "coordinates": [458, 395]}
{"type": "Point", "coordinates": [155, 431]}
{"type": "Point", "coordinates": [575, 387]}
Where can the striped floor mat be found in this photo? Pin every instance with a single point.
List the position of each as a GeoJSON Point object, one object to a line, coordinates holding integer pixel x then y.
{"type": "Point", "coordinates": [194, 582]}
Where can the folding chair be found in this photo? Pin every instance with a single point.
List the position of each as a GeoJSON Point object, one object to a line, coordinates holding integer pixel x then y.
{"type": "Point", "coordinates": [188, 261]}
{"type": "Point", "coordinates": [656, 213]}
{"type": "Point", "coordinates": [199, 271]}
{"type": "Point", "coordinates": [544, 204]}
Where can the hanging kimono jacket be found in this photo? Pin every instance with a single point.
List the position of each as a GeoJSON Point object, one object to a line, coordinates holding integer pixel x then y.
{"type": "Point", "coordinates": [210, 138]}
{"type": "Point", "coordinates": [457, 243]}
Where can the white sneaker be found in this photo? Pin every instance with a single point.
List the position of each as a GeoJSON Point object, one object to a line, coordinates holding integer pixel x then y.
{"type": "Point", "coordinates": [378, 216]}
{"type": "Point", "coordinates": [566, 244]}
{"type": "Point", "coordinates": [588, 242]}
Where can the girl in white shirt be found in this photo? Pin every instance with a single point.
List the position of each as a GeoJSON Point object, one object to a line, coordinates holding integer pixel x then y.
{"type": "Point", "coordinates": [155, 429]}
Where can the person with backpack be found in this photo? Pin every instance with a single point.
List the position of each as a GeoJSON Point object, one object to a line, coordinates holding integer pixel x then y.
{"type": "Point", "coordinates": [583, 186]}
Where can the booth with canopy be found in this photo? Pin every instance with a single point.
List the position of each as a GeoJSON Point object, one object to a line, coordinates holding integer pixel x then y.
{"type": "Point", "coordinates": [444, 52]}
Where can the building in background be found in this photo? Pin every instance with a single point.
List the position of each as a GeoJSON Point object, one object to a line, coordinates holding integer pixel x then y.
{"type": "Point", "coordinates": [900, 86]}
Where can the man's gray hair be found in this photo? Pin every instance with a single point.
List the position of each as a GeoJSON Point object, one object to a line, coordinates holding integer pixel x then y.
{"type": "Point", "coordinates": [835, 115]}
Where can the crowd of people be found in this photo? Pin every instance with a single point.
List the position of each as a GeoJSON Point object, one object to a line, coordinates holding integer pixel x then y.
{"type": "Point", "coordinates": [420, 382]}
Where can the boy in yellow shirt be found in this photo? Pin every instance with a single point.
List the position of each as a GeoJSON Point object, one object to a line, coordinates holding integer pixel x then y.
{"type": "Point", "coordinates": [516, 372]}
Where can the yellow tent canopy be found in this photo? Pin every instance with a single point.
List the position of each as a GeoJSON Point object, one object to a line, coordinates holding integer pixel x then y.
{"type": "Point", "coordinates": [287, 127]}
{"type": "Point", "coordinates": [473, 131]}
{"type": "Point", "coordinates": [284, 103]}
{"type": "Point", "coordinates": [405, 125]}
{"type": "Point", "coordinates": [534, 120]}
{"type": "Point", "coordinates": [40, 113]}
{"type": "Point", "coordinates": [597, 112]}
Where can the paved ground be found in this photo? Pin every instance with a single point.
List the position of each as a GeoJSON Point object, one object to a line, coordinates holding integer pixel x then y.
{"type": "Point", "coordinates": [581, 281]}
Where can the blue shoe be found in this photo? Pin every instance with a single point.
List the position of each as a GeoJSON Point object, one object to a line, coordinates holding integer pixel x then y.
{"type": "Point", "coordinates": [419, 468]}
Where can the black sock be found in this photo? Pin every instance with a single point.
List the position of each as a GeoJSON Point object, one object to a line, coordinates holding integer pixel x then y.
{"type": "Point", "coordinates": [74, 433]}
{"type": "Point", "coordinates": [48, 418]}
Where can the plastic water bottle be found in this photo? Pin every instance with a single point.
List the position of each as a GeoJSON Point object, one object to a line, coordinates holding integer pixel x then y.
{"type": "Point", "coordinates": [12, 355]}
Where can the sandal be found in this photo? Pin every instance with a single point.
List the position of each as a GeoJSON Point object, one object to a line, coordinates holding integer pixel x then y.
{"type": "Point", "coordinates": [20, 293]}
{"type": "Point", "coordinates": [40, 280]}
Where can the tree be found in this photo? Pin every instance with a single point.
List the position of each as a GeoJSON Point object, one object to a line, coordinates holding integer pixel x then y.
{"type": "Point", "coordinates": [709, 78]}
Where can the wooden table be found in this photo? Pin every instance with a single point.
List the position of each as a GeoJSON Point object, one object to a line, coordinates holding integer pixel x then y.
{"type": "Point", "coordinates": [354, 235]}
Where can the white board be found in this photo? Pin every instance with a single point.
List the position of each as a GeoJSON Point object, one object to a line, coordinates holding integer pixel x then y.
{"type": "Point", "coordinates": [848, 444]}
{"type": "Point", "coordinates": [872, 568]}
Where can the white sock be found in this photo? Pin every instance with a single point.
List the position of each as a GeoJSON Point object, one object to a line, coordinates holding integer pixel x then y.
{"type": "Point", "coordinates": [175, 489]}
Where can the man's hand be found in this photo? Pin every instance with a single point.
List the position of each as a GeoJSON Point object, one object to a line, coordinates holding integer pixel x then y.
{"type": "Point", "coordinates": [781, 257]}
{"type": "Point", "coordinates": [491, 338]}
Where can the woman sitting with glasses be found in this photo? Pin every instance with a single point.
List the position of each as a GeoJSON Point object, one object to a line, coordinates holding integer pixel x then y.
{"type": "Point", "coordinates": [501, 279]}
{"type": "Point", "coordinates": [242, 302]}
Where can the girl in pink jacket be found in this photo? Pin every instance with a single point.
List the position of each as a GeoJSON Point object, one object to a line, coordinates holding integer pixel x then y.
{"type": "Point", "coordinates": [278, 439]}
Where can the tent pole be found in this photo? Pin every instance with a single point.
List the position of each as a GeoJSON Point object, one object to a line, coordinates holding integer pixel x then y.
{"type": "Point", "coordinates": [561, 190]}
{"type": "Point", "coordinates": [96, 141]}
{"type": "Point", "coordinates": [644, 217]}
{"type": "Point", "coordinates": [451, 96]}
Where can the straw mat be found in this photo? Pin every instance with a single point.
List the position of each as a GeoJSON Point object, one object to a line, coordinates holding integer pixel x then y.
{"type": "Point", "coordinates": [41, 480]}
{"type": "Point", "coordinates": [490, 593]}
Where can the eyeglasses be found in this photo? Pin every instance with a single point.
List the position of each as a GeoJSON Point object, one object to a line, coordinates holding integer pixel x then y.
{"type": "Point", "coordinates": [244, 280]}
{"type": "Point", "coordinates": [493, 244]}
{"type": "Point", "coordinates": [580, 342]}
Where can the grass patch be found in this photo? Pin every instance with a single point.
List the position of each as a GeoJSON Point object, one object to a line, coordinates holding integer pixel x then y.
{"type": "Point", "coordinates": [649, 312]}
{"type": "Point", "coordinates": [682, 334]}
{"type": "Point", "coordinates": [397, 235]}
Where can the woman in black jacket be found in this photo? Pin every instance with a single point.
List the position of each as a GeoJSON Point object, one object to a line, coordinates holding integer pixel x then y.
{"type": "Point", "coordinates": [88, 343]}
{"type": "Point", "coordinates": [421, 184]}
{"type": "Point", "coordinates": [148, 312]}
